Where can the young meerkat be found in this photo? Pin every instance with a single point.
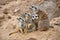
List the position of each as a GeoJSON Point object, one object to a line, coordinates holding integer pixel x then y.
{"type": "Point", "coordinates": [34, 16]}
{"type": "Point", "coordinates": [41, 18]}
{"type": "Point", "coordinates": [30, 24]}
{"type": "Point", "coordinates": [35, 19]}
{"type": "Point", "coordinates": [21, 26]}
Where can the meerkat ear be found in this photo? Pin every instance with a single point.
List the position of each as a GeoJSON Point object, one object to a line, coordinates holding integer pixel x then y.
{"type": "Point", "coordinates": [27, 13]}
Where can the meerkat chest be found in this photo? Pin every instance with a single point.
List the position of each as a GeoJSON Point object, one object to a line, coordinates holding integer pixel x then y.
{"type": "Point", "coordinates": [29, 24]}
{"type": "Point", "coordinates": [21, 24]}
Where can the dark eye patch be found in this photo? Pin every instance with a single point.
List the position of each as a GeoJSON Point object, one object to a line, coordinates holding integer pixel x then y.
{"type": "Point", "coordinates": [25, 13]}
{"type": "Point", "coordinates": [19, 18]}
{"type": "Point", "coordinates": [32, 6]}
{"type": "Point", "coordinates": [36, 16]}
{"type": "Point", "coordinates": [33, 16]}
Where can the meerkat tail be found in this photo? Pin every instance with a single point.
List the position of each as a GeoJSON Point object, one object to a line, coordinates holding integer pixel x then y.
{"type": "Point", "coordinates": [13, 32]}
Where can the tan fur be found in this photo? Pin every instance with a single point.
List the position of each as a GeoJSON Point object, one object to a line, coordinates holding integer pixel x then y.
{"type": "Point", "coordinates": [42, 16]}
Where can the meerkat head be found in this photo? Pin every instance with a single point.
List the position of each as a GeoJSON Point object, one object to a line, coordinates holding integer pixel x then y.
{"type": "Point", "coordinates": [20, 19]}
{"type": "Point", "coordinates": [27, 15]}
{"type": "Point", "coordinates": [33, 8]}
{"type": "Point", "coordinates": [34, 16]}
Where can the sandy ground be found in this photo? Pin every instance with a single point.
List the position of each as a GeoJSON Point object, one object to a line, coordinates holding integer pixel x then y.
{"type": "Point", "coordinates": [8, 23]}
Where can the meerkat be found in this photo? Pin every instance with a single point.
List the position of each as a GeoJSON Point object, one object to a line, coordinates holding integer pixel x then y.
{"type": "Point", "coordinates": [34, 15]}
{"type": "Point", "coordinates": [43, 21]}
{"type": "Point", "coordinates": [29, 22]}
{"type": "Point", "coordinates": [41, 18]}
{"type": "Point", "coordinates": [35, 19]}
{"type": "Point", "coordinates": [21, 26]}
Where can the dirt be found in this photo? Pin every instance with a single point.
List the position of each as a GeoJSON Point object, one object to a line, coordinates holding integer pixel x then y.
{"type": "Point", "coordinates": [8, 22]}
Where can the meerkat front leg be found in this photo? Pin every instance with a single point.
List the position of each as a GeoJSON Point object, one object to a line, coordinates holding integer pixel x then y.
{"type": "Point", "coordinates": [21, 30]}
{"type": "Point", "coordinates": [26, 29]}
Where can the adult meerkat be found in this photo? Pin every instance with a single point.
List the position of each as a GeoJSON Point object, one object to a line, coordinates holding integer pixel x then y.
{"type": "Point", "coordinates": [43, 21]}
{"type": "Point", "coordinates": [41, 18]}
{"type": "Point", "coordinates": [30, 24]}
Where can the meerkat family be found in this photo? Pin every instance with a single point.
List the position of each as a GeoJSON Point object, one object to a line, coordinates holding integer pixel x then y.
{"type": "Point", "coordinates": [37, 20]}
{"type": "Point", "coordinates": [24, 24]}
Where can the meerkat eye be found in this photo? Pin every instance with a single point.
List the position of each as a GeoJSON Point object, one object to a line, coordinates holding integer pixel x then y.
{"type": "Point", "coordinates": [32, 6]}
{"type": "Point", "coordinates": [33, 16]}
{"type": "Point", "coordinates": [19, 18]}
{"type": "Point", "coordinates": [36, 16]}
{"type": "Point", "coordinates": [25, 13]}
